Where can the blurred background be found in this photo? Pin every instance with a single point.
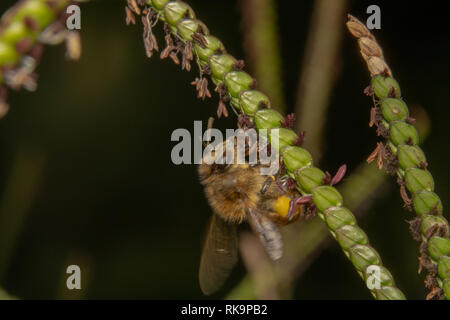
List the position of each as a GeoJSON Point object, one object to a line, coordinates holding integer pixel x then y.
{"type": "Point", "coordinates": [86, 176]}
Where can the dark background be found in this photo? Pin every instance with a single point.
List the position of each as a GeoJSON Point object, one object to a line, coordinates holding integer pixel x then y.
{"type": "Point", "coordinates": [86, 176]}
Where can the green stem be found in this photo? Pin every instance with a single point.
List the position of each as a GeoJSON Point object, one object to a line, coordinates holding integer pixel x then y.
{"type": "Point", "coordinates": [237, 86]}
{"type": "Point", "coordinates": [261, 44]}
{"type": "Point", "coordinates": [319, 71]}
{"type": "Point", "coordinates": [401, 156]}
{"type": "Point", "coordinates": [21, 189]}
{"type": "Point", "coordinates": [6, 296]}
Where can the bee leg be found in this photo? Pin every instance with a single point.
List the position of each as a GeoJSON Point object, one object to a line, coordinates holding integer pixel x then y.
{"type": "Point", "coordinates": [294, 203]}
{"type": "Point", "coordinates": [267, 184]}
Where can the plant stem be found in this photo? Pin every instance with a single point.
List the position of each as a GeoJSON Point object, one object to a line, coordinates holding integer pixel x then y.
{"type": "Point", "coordinates": [401, 156]}
{"type": "Point", "coordinates": [6, 296]}
{"type": "Point", "coordinates": [262, 47]}
{"type": "Point", "coordinates": [319, 71]}
{"type": "Point", "coordinates": [18, 196]}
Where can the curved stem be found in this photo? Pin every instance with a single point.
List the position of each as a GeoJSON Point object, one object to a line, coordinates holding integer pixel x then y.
{"type": "Point", "coordinates": [401, 156]}
{"type": "Point", "coordinates": [262, 47]}
{"type": "Point", "coordinates": [320, 69]}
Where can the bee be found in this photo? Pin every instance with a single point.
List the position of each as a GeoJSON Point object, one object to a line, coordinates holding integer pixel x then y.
{"type": "Point", "coordinates": [239, 193]}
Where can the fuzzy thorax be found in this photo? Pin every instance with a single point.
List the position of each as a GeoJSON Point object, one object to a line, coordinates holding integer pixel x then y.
{"type": "Point", "coordinates": [231, 190]}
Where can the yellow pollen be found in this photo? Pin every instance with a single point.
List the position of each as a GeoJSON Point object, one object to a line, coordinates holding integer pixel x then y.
{"type": "Point", "coordinates": [281, 205]}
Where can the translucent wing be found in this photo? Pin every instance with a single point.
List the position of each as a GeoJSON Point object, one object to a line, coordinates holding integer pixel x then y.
{"type": "Point", "coordinates": [219, 255]}
{"type": "Point", "coordinates": [268, 233]}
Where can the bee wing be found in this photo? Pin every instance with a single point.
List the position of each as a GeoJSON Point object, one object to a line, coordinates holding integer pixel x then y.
{"type": "Point", "coordinates": [219, 254]}
{"type": "Point", "coordinates": [268, 233]}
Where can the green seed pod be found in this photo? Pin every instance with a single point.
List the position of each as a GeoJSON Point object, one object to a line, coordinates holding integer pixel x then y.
{"type": "Point", "coordinates": [237, 81]}
{"type": "Point", "coordinates": [363, 256]}
{"type": "Point", "coordinates": [220, 64]}
{"type": "Point", "coordinates": [309, 178]}
{"type": "Point", "coordinates": [41, 13]}
{"type": "Point", "coordinates": [384, 124]}
{"type": "Point", "coordinates": [348, 236]}
{"type": "Point", "coordinates": [176, 10]}
{"type": "Point", "coordinates": [444, 268]}
{"type": "Point", "coordinates": [446, 288]}
{"type": "Point", "coordinates": [268, 119]}
{"type": "Point", "coordinates": [389, 293]}
{"type": "Point", "coordinates": [394, 109]}
{"type": "Point", "coordinates": [251, 101]}
{"type": "Point", "coordinates": [295, 158]}
{"type": "Point", "coordinates": [391, 146]}
{"type": "Point", "coordinates": [401, 132]}
{"type": "Point", "coordinates": [427, 202]}
{"type": "Point", "coordinates": [157, 4]}
{"type": "Point", "coordinates": [325, 197]}
{"type": "Point", "coordinates": [286, 137]}
{"type": "Point", "coordinates": [429, 222]}
{"type": "Point", "coordinates": [187, 27]}
{"type": "Point", "coordinates": [58, 5]}
{"type": "Point", "coordinates": [418, 179]}
{"type": "Point", "coordinates": [8, 55]}
{"type": "Point", "coordinates": [385, 277]}
{"type": "Point", "coordinates": [337, 217]}
{"type": "Point", "coordinates": [212, 45]}
{"type": "Point", "coordinates": [410, 156]}
{"type": "Point", "coordinates": [235, 103]}
{"type": "Point", "coordinates": [384, 86]}
{"type": "Point", "coordinates": [438, 246]}
{"type": "Point", "coordinates": [15, 32]}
